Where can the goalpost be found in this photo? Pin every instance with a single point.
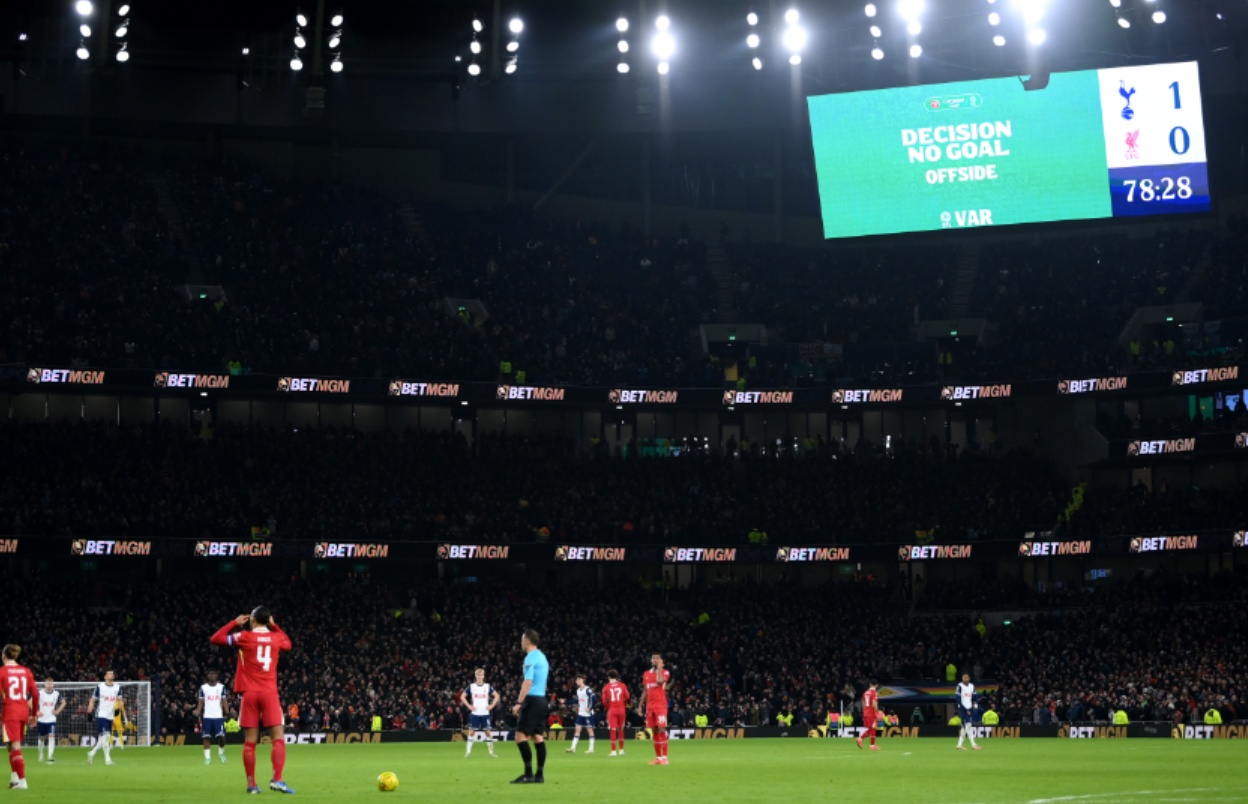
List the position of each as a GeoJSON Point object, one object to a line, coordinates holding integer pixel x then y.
{"type": "Point", "coordinates": [75, 726]}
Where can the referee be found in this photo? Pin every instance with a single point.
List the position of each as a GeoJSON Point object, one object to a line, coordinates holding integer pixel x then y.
{"type": "Point", "coordinates": [530, 710]}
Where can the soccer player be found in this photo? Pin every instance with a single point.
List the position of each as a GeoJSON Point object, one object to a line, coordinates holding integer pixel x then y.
{"type": "Point", "coordinates": [585, 702]}
{"type": "Point", "coordinates": [615, 695]}
{"type": "Point", "coordinates": [51, 704]}
{"type": "Point", "coordinates": [530, 710]}
{"type": "Point", "coordinates": [17, 687]}
{"type": "Point", "coordinates": [480, 698]}
{"type": "Point", "coordinates": [654, 702]}
{"type": "Point", "coordinates": [870, 713]}
{"type": "Point", "coordinates": [104, 703]}
{"type": "Point", "coordinates": [967, 704]}
{"type": "Point", "coordinates": [256, 680]}
{"type": "Point", "coordinates": [120, 724]}
{"type": "Point", "coordinates": [211, 708]}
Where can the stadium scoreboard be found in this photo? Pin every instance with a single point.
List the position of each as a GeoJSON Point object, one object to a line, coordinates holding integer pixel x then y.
{"type": "Point", "coordinates": [1112, 143]}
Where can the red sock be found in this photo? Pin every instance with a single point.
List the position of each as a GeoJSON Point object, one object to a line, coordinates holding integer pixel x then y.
{"type": "Point", "coordinates": [873, 735]}
{"type": "Point", "coordinates": [661, 744]}
{"type": "Point", "coordinates": [658, 742]}
{"type": "Point", "coordinates": [249, 763]}
{"type": "Point", "coordinates": [621, 739]}
{"type": "Point", "coordinates": [17, 763]}
{"type": "Point", "coordinates": [279, 759]}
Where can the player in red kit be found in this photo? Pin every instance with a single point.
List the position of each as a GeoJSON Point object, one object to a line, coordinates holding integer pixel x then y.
{"type": "Point", "coordinates": [654, 701]}
{"type": "Point", "coordinates": [20, 694]}
{"type": "Point", "coordinates": [615, 699]}
{"type": "Point", "coordinates": [870, 713]}
{"type": "Point", "coordinates": [256, 680]}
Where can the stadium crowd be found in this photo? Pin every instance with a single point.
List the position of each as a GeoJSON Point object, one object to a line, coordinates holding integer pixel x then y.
{"type": "Point", "coordinates": [310, 483]}
{"type": "Point", "coordinates": [339, 280]}
{"type": "Point", "coordinates": [1160, 648]}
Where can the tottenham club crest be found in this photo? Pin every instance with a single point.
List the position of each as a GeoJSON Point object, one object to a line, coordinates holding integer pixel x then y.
{"type": "Point", "coordinates": [1127, 112]}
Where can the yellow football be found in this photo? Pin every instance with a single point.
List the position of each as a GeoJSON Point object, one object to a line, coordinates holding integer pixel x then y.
{"type": "Point", "coordinates": [387, 782]}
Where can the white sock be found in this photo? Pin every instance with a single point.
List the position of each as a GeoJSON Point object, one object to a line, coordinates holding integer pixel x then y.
{"type": "Point", "coordinates": [221, 750]}
{"type": "Point", "coordinates": [961, 735]}
{"type": "Point", "coordinates": [207, 753]}
{"type": "Point", "coordinates": [51, 746]}
{"type": "Point", "coordinates": [108, 747]}
{"type": "Point", "coordinates": [575, 740]}
{"type": "Point", "coordinates": [591, 742]}
{"type": "Point", "coordinates": [471, 739]}
{"type": "Point", "coordinates": [489, 741]}
{"type": "Point", "coordinates": [41, 748]}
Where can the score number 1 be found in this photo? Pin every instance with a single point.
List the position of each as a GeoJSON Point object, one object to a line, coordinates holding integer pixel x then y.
{"type": "Point", "coordinates": [1178, 134]}
{"type": "Point", "coordinates": [1167, 189]}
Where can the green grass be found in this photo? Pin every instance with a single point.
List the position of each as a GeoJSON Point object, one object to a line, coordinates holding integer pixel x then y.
{"type": "Point", "coordinates": [789, 770]}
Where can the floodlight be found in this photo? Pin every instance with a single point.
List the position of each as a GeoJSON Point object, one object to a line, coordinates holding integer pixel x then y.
{"type": "Point", "coordinates": [122, 30]}
{"type": "Point", "coordinates": [795, 59]}
{"type": "Point", "coordinates": [994, 18]}
{"type": "Point", "coordinates": [1037, 36]}
{"type": "Point", "coordinates": [477, 26]}
{"type": "Point", "coordinates": [474, 69]}
{"type": "Point", "coordinates": [757, 62]}
{"type": "Point", "coordinates": [516, 26]}
{"type": "Point", "coordinates": [513, 46]}
{"type": "Point", "coordinates": [876, 32]}
{"type": "Point", "coordinates": [123, 55]}
{"type": "Point", "coordinates": [622, 67]}
{"type": "Point", "coordinates": [752, 40]}
{"type": "Point", "coordinates": [335, 39]}
{"type": "Point", "coordinates": [794, 38]}
{"type": "Point", "coordinates": [85, 30]}
{"type": "Point", "coordinates": [1159, 16]}
{"type": "Point", "coordinates": [300, 42]}
{"type": "Point", "coordinates": [662, 22]}
{"type": "Point", "coordinates": [123, 10]}
{"type": "Point", "coordinates": [335, 66]}
{"type": "Point", "coordinates": [998, 40]}
{"type": "Point", "coordinates": [336, 20]}
{"type": "Point", "coordinates": [296, 63]}
{"type": "Point", "coordinates": [751, 19]}
{"type": "Point", "coordinates": [1124, 23]}
{"type": "Point", "coordinates": [914, 28]}
{"type": "Point", "coordinates": [83, 53]}
{"type": "Point", "coordinates": [621, 25]}
{"type": "Point", "coordinates": [663, 46]}
{"type": "Point", "coordinates": [475, 47]}
{"type": "Point", "coordinates": [623, 45]}
{"type": "Point", "coordinates": [301, 19]}
{"type": "Point", "coordinates": [663, 68]}
{"type": "Point", "coordinates": [876, 53]}
{"type": "Point", "coordinates": [916, 50]}
{"type": "Point", "coordinates": [870, 9]}
{"type": "Point", "coordinates": [910, 9]}
{"type": "Point", "coordinates": [85, 8]}
{"type": "Point", "coordinates": [791, 17]}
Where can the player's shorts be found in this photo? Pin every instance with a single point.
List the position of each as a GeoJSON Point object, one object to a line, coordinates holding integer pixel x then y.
{"type": "Point", "coordinates": [103, 725]}
{"type": "Point", "coordinates": [533, 714]}
{"type": "Point", "coordinates": [12, 731]}
{"type": "Point", "coordinates": [214, 727]}
{"type": "Point", "coordinates": [479, 722]}
{"type": "Point", "coordinates": [869, 719]}
{"type": "Point", "coordinates": [47, 729]}
{"type": "Point", "coordinates": [585, 720]}
{"type": "Point", "coordinates": [966, 715]}
{"type": "Point", "coordinates": [261, 710]}
{"type": "Point", "coordinates": [616, 718]}
{"type": "Point", "coordinates": [656, 718]}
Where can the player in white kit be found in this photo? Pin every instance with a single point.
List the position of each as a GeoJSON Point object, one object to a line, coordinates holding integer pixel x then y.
{"type": "Point", "coordinates": [211, 709]}
{"type": "Point", "coordinates": [51, 704]}
{"type": "Point", "coordinates": [585, 701]}
{"type": "Point", "coordinates": [104, 702]}
{"type": "Point", "coordinates": [480, 698]}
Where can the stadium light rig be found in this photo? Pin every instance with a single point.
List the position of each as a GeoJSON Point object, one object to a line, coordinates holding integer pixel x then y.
{"type": "Point", "coordinates": [663, 45]}
{"type": "Point", "coordinates": [877, 52]}
{"type": "Point", "coordinates": [515, 27]}
{"type": "Point", "coordinates": [795, 36]}
{"type": "Point", "coordinates": [753, 40]}
{"type": "Point", "coordinates": [621, 26]}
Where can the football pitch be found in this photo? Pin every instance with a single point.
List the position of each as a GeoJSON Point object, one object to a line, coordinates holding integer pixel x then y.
{"type": "Point", "coordinates": [789, 770]}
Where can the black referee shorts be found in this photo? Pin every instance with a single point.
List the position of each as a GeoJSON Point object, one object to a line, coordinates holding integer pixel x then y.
{"type": "Point", "coordinates": [533, 714]}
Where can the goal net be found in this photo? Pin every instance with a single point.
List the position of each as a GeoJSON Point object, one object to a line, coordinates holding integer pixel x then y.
{"type": "Point", "coordinates": [75, 726]}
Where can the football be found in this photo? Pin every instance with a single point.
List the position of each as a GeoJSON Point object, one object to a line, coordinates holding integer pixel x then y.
{"type": "Point", "coordinates": [387, 782]}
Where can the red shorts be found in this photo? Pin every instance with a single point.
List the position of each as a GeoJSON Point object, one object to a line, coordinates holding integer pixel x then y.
{"type": "Point", "coordinates": [868, 719]}
{"type": "Point", "coordinates": [656, 718]}
{"type": "Point", "coordinates": [260, 709]}
{"type": "Point", "coordinates": [616, 719]}
{"type": "Point", "coordinates": [13, 731]}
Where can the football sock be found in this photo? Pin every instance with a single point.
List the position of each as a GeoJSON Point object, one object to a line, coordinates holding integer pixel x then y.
{"type": "Point", "coordinates": [541, 757]}
{"type": "Point", "coordinates": [221, 746]}
{"type": "Point", "coordinates": [279, 759]}
{"type": "Point", "coordinates": [575, 740]}
{"type": "Point", "coordinates": [658, 744]}
{"type": "Point", "coordinates": [207, 753]}
{"type": "Point", "coordinates": [873, 735]}
{"type": "Point", "coordinates": [591, 742]}
{"type": "Point", "coordinates": [471, 740]}
{"type": "Point", "coordinates": [51, 746]}
{"type": "Point", "coordinates": [108, 747]}
{"type": "Point", "coordinates": [17, 763]}
{"type": "Point", "coordinates": [249, 763]}
{"type": "Point", "coordinates": [526, 753]}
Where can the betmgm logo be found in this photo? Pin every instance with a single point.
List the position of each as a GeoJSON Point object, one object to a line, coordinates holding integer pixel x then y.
{"type": "Point", "coordinates": [1201, 732]}
{"type": "Point", "coordinates": [1091, 732]}
{"type": "Point", "coordinates": [853, 732]}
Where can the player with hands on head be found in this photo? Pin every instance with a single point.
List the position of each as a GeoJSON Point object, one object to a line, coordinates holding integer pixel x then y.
{"type": "Point", "coordinates": [259, 648]}
{"type": "Point", "coordinates": [654, 702]}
